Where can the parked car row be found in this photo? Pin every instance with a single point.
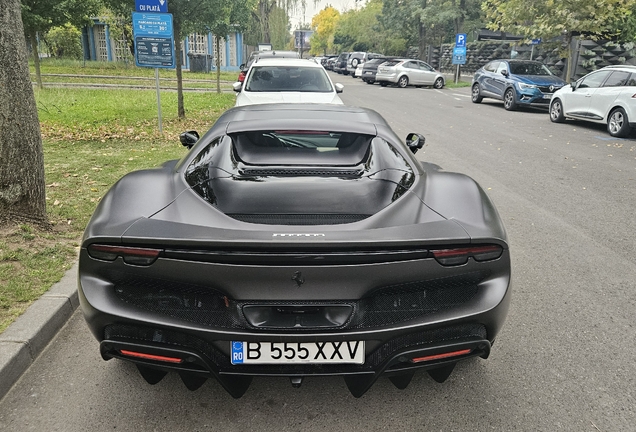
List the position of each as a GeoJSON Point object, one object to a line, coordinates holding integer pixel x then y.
{"type": "Point", "coordinates": [385, 70]}
{"type": "Point", "coordinates": [604, 96]}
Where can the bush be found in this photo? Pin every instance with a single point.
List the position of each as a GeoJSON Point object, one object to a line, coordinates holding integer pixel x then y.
{"type": "Point", "coordinates": [65, 42]}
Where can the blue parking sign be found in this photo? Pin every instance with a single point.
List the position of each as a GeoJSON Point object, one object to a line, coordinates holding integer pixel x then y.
{"type": "Point", "coordinates": [459, 56]}
{"type": "Point", "coordinates": [460, 40]}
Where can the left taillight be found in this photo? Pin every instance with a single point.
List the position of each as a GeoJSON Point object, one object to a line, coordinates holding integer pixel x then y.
{"type": "Point", "coordinates": [130, 255]}
{"type": "Point", "coordinates": [241, 77]}
{"type": "Point", "coordinates": [459, 256]}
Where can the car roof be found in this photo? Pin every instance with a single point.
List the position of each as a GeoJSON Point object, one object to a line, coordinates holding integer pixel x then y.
{"type": "Point", "coordinates": [286, 62]}
{"type": "Point", "coordinates": [518, 61]}
{"type": "Point", "coordinates": [630, 68]}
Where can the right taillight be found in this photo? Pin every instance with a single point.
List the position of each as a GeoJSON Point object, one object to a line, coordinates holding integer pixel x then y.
{"type": "Point", "coordinates": [459, 256]}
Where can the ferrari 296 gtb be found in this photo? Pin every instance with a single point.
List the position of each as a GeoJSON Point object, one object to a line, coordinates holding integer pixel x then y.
{"type": "Point", "coordinates": [296, 241]}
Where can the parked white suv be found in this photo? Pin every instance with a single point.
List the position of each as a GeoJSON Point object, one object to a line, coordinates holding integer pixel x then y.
{"type": "Point", "coordinates": [607, 96]}
{"type": "Point", "coordinates": [357, 58]}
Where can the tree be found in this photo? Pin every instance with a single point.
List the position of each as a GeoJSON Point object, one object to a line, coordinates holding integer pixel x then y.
{"type": "Point", "coordinates": [359, 30]}
{"type": "Point", "coordinates": [263, 14]}
{"type": "Point", "coordinates": [22, 194]}
{"type": "Point", "coordinates": [64, 41]}
{"type": "Point", "coordinates": [278, 24]}
{"type": "Point", "coordinates": [424, 22]}
{"type": "Point", "coordinates": [41, 16]}
{"type": "Point", "coordinates": [235, 17]}
{"type": "Point", "coordinates": [548, 19]}
{"type": "Point", "coordinates": [324, 25]}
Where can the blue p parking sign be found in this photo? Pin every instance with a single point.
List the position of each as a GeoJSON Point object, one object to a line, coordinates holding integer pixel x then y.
{"type": "Point", "coordinates": [460, 40]}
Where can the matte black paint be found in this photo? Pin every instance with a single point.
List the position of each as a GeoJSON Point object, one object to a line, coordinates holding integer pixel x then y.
{"type": "Point", "coordinates": [409, 206]}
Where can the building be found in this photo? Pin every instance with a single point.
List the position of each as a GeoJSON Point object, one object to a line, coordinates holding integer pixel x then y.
{"type": "Point", "coordinates": [100, 44]}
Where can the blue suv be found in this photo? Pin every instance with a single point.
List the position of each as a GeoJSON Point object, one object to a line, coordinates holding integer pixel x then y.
{"type": "Point", "coordinates": [516, 82]}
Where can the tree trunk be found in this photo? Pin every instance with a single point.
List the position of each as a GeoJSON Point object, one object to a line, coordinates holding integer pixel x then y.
{"type": "Point", "coordinates": [265, 8]}
{"type": "Point", "coordinates": [22, 192]}
{"type": "Point", "coordinates": [217, 42]}
{"type": "Point", "coordinates": [459, 21]}
{"type": "Point", "coordinates": [421, 41]}
{"type": "Point", "coordinates": [178, 54]}
{"type": "Point", "coordinates": [36, 58]}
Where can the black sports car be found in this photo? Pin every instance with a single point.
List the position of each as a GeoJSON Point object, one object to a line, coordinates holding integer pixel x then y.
{"type": "Point", "coordinates": [295, 241]}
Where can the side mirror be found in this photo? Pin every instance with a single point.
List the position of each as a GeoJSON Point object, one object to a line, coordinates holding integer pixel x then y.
{"type": "Point", "coordinates": [242, 66]}
{"type": "Point", "coordinates": [415, 141]}
{"type": "Point", "coordinates": [189, 138]}
{"type": "Point", "coordinates": [573, 85]}
{"type": "Point", "coordinates": [505, 73]}
{"type": "Point", "coordinates": [237, 86]}
{"type": "Point", "coordinates": [339, 87]}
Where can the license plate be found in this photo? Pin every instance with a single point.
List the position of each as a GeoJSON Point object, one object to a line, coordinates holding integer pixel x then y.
{"type": "Point", "coordinates": [547, 96]}
{"type": "Point", "coordinates": [297, 352]}
{"type": "Point", "coordinates": [368, 73]}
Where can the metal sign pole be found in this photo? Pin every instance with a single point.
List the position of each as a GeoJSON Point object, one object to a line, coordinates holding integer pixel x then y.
{"type": "Point", "coordinates": [158, 100]}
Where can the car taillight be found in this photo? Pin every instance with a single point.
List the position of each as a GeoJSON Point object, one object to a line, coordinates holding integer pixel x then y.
{"type": "Point", "coordinates": [145, 356]}
{"type": "Point", "coordinates": [130, 255]}
{"type": "Point", "coordinates": [241, 77]}
{"type": "Point", "coordinates": [459, 256]}
{"type": "Point", "coordinates": [441, 356]}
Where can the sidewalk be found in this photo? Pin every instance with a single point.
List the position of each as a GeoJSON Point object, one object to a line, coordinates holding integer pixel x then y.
{"type": "Point", "coordinates": [26, 338]}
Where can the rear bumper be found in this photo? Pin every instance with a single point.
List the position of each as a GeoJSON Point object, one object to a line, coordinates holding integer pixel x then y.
{"type": "Point", "coordinates": [392, 78]}
{"type": "Point", "coordinates": [204, 359]}
{"type": "Point", "coordinates": [156, 316]}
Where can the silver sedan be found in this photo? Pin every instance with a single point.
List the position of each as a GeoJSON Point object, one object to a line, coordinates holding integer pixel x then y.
{"type": "Point", "coordinates": [405, 72]}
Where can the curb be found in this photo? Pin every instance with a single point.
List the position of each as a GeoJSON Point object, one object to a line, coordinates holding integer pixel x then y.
{"type": "Point", "coordinates": [26, 338]}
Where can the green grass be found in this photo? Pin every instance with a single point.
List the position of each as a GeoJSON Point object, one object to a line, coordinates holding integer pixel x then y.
{"type": "Point", "coordinates": [452, 84]}
{"type": "Point", "coordinates": [99, 115]}
{"type": "Point", "coordinates": [60, 66]}
{"type": "Point", "coordinates": [91, 138]}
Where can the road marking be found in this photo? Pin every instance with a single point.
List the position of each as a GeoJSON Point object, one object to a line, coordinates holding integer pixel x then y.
{"type": "Point", "coordinates": [462, 95]}
{"type": "Point", "coordinates": [602, 138]}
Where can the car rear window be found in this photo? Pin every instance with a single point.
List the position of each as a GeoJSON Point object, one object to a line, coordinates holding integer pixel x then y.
{"type": "Point", "coordinates": [289, 147]}
{"type": "Point", "coordinates": [287, 79]}
{"type": "Point", "coordinates": [392, 63]}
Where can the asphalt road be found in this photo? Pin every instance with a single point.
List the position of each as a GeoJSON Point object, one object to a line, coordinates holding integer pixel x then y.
{"type": "Point", "coordinates": [565, 359]}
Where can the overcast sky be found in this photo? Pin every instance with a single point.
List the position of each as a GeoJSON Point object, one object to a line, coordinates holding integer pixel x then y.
{"type": "Point", "coordinates": [296, 17]}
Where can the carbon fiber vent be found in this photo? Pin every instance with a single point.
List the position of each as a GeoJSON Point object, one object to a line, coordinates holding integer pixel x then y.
{"type": "Point", "coordinates": [299, 219]}
{"type": "Point", "coordinates": [385, 306]}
